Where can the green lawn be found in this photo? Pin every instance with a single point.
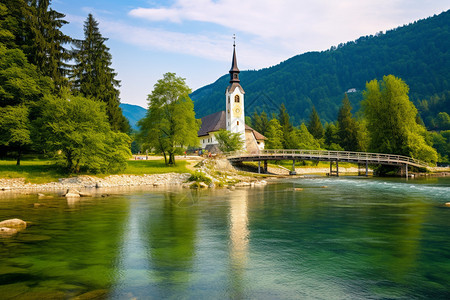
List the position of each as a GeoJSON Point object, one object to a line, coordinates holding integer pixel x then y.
{"type": "Point", "coordinates": [43, 171]}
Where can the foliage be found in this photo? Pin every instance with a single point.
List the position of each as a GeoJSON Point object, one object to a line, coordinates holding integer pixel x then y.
{"type": "Point", "coordinates": [260, 122]}
{"type": "Point", "coordinates": [417, 52]}
{"type": "Point", "coordinates": [93, 76]}
{"type": "Point", "coordinates": [331, 137]}
{"type": "Point", "coordinates": [20, 82]}
{"type": "Point", "coordinates": [170, 123]}
{"type": "Point", "coordinates": [274, 135]}
{"type": "Point", "coordinates": [200, 177]}
{"type": "Point", "coordinates": [79, 128]}
{"type": "Point", "coordinates": [347, 127]}
{"type": "Point", "coordinates": [229, 141]}
{"type": "Point", "coordinates": [304, 140]}
{"type": "Point", "coordinates": [15, 128]}
{"type": "Point", "coordinates": [314, 125]}
{"type": "Point", "coordinates": [45, 42]}
{"type": "Point", "coordinates": [391, 120]}
{"type": "Point", "coordinates": [286, 127]}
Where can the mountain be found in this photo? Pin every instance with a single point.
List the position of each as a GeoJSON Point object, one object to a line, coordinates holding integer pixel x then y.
{"type": "Point", "coordinates": [133, 113]}
{"type": "Point", "coordinates": [418, 53]}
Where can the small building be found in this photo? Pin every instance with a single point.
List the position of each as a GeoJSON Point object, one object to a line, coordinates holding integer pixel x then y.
{"type": "Point", "coordinates": [231, 119]}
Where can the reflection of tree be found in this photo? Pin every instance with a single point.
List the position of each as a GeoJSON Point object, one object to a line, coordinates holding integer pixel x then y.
{"type": "Point", "coordinates": [172, 238]}
{"type": "Point", "coordinates": [239, 238]}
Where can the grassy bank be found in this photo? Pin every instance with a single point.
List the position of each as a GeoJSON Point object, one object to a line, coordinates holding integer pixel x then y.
{"type": "Point", "coordinates": [43, 171]}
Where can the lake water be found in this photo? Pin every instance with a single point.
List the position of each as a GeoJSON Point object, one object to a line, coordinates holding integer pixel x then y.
{"type": "Point", "coordinates": [356, 238]}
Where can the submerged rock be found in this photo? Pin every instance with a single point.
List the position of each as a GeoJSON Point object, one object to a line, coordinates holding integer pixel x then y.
{"type": "Point", "coordinates": [14, 223]}
{"type": "Point", "coordinates": [10, 227]}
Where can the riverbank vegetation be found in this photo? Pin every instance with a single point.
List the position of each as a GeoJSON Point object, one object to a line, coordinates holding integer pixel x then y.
{"type": "Point", "coordinates": [388, 122]}
{"type": "Point", "coordinates": [36, 170]}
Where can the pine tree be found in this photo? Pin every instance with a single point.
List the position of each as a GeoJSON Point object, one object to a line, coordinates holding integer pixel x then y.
{"type": "Point", "coordinates": [260, 122]}
{"type": "Point", "coordinates": [347, 127]}
{"type": "Point", "coordinates": [286, 126]}
{"type": "Point", "coordinates": [314, 125]}
{"type": "Point", "coordinates": [44, 42]}
{"type": "Point", "coordinates": [93, 76]}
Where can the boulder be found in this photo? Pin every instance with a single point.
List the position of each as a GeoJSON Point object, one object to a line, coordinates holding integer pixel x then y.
{"type": "Point", "coordinates": [10, 227]}
{"type": "Point", "coordinates": [14, 223]}
{"type": "Point", "coordinates": [7, 232]}
{"type": "Point", "coordinates": [71, 193]}
{"type": "Point", "coordinates": [447, 204]}
{"type": "Point", "coordinates": [85, 194]}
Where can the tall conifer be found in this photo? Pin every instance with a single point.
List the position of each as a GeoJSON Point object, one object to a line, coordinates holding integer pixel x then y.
{"type": "Point", "coordinates": [347, 127]}
{"type": "Point", "coordinates": [44, 41]}
{"type": "Point", "coordinates": [314, 125]}
{"type": "Point", "coordinates": [93, 76]}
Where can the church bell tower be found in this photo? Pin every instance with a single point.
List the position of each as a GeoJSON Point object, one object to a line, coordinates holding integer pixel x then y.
{"type": "Point", "coordinates": [235, 116]}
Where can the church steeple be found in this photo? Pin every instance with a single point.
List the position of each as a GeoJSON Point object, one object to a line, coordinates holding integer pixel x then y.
{"type": "Point", "coordinates": [234, 71]}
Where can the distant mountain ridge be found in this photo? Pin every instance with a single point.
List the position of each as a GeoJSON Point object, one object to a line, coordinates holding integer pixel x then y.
{"type": "Point", "coordinates": [133, 113]}
{"type": "Point", "coordinates": [418, 53]}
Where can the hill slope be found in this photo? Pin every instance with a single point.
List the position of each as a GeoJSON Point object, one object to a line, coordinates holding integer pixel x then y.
{"type": "Point", "coordinates": [133, 113]}
{"type": "Point", "coordinates": [418, 53]}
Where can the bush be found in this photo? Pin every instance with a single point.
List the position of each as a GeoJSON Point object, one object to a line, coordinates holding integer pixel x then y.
{"type": "Point", "coordinates": [200, 177]}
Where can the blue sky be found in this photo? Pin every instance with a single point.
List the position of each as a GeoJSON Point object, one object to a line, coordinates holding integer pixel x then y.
{"type": "Point", "coordinates": [193, 38]}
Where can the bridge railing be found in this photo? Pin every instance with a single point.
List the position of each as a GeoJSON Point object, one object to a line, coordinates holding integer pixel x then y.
{"type": "Point", "coordinates": [330, 155]}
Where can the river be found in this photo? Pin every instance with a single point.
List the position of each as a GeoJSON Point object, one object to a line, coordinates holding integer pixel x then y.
{"type": "Point", "coordinates": [302, 238]}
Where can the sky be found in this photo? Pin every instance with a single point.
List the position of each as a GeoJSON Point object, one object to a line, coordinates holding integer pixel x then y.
{"type": "Point", "coordinates": [194, 38]}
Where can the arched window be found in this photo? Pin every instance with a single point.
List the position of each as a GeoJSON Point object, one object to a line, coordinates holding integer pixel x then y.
{"type": "Point", "coordinates": [236, 98]}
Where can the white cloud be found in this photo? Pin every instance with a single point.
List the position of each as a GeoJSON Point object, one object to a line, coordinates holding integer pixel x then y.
{"type": "Point", "coordinates": [298, 25]}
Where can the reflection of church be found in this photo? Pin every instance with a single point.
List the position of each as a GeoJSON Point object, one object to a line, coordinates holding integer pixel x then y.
{"type": "Point", "coordinates": [231, 119]}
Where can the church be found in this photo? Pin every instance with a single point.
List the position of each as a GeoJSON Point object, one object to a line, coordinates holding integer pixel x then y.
{"type": "Point", "coordinates": [231, 119]}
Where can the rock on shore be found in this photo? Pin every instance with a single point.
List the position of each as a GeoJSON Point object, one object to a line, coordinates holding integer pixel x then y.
{"type": "Point", "coordinates": [85, 181]}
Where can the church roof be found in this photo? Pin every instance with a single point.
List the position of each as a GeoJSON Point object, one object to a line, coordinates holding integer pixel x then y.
{"type": "Point", "coordinates": [213, 122]}
{"type": "Point", "coordinates": [257, 135]}
{"type": "Point", "coordinates": [216, 121]}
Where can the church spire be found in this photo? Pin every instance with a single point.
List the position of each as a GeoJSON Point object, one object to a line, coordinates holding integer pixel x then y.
{"type": "Point", "coordinates": [234, 71]}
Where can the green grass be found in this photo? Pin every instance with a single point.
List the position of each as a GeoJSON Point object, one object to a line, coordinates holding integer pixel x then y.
{"type": "Point", "coordinates": [141, 167]}
{"type": "Point", "coordinates": [34, 171]}
{"type": "Point", "coordinates": [45, 170]}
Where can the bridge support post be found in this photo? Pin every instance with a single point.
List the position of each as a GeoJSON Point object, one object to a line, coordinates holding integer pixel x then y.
{"type": "Point", "coordinates": [337, 168]}
{"type": "Point", "coordinates": [259, 167]}
{"type": "Point", "coordinates": [293, 168]}
{"type": "Point", "coordinates": [367, 168]}
{"type": "Point", "coordinates": [265, 166]}
{"type": "Point", "coordinates": [406, 170]}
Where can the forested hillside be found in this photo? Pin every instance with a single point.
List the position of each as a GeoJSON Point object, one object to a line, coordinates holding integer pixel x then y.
{"type": "Point", "coordinates": [418, 53]}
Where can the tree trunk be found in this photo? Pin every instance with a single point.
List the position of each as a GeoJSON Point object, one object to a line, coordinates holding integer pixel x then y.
{"type": "Point", "coordinates": [19, 154]}
{"type": "Point", "coordinates": [171, 158]}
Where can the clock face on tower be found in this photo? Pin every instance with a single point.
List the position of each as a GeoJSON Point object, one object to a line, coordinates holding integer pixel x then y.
{"type": "Point", "coordinates": [237, 110]}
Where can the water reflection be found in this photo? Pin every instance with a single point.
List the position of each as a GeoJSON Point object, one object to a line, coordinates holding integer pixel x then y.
{"type": "Point", "coordinates": [239, 240]}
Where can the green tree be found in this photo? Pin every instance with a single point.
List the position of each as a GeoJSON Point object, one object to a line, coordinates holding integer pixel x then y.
{"type": "Point", "coordinates": [286, 126]}
{"type": "Point", "coordinates": [229, 141]}
{"type": "Point", "coordinates": [20, 82]}
{"type": "Point", "coordinates": [260, 122]}
{"type": "Point", "coordinates": [331, 137]}
{"type": "Point", "coordinates": [78, 127]}
{"type": "Point", "coordinates": [15, 128]}
{"type": "Point", "coordinates": [347, 127]}
{"type": "Point", "coordinates": [391, 120]}
{"type": "Point", "coordinates": [93, 76]}
{"type": "Point", "coordinates": [304, 139]}
{"type": "Point", "coordinates": [44, 43]}
{"type": "Point", "coordinates": [443, 121]}
{"type": "Point", "coordinates": [169, 125]}
{"type": "Point", "coordinates": [274, 135]}
{"type": "Point", "coordinates": [314, 125]}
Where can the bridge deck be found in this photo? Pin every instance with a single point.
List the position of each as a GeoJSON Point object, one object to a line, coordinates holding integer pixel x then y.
{"type": "Point", "coordinates": [323, 155]}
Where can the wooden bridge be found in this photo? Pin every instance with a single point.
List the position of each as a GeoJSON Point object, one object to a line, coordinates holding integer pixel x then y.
{"type": "Point", "coordinates": [360, 158]}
